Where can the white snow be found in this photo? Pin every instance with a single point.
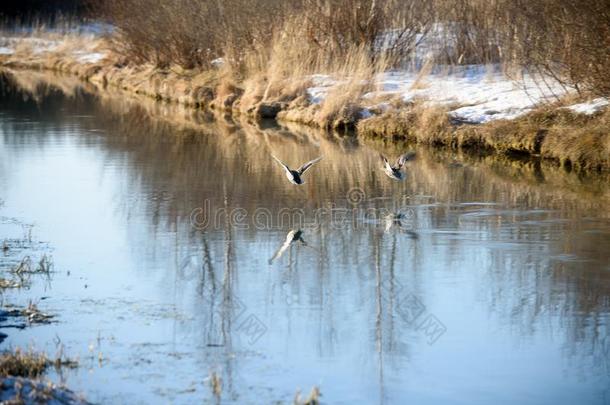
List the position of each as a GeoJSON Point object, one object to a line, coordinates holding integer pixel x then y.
{"type": "Point", "coordinates": [480, 93]}
{"type": "Point", "coordinates": [41, 45]}
{"type": "Point", "coordinates": [218, 62]}
{"type": "Point", "coordinates": [322, 84]}
{"type": "Point", "coordinates": [37, 45]}
{"type": "Point", "coordinates": [591, 107]}
{"type": "Point", "coordinates": [89, 57]}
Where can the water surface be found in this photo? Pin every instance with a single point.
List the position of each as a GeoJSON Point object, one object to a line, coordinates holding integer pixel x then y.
{"type": "Point", "coordinates": [474, 281]}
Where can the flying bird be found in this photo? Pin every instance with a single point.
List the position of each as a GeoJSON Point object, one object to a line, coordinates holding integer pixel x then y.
{"type": "Point", "coordinates": [295, 175]}
{"type": "Point", "coordinates": [395, 172]}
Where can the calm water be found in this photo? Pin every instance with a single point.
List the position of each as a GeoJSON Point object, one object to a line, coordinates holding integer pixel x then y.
{"type": "Point", "coordinates": [168, 240]}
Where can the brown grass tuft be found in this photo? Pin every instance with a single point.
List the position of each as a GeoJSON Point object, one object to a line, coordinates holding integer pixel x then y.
{"type": "Point", "coordinates": [30, 364]}
{"type": "Point", "coordinates": [23, 364]}
{"type": "Point", "coordinates": [416, 123]}
{"type": "Point", "coordinates": [312, 399]}
{"type": "Point", "coordinates": [394, 125]}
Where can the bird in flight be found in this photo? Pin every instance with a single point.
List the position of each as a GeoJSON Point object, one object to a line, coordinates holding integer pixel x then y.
{"type": "Point", "coordinates": [395, 172]}
{"type": "Point", "coordinates": [295, 176]}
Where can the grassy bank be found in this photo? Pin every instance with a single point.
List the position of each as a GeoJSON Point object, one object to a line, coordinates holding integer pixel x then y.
{"type": "Point", "coordinates": [132, 114]}
{"type": "Point", "coordinates": [393, 71]}
{"type": "Point", "coordinates": [574, 140]}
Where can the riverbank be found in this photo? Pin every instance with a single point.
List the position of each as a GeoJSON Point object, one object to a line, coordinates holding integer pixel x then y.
{"type": "Point", "coordinates": [473, 108]}
{"type": "Point", "coordinates": [143, 114]}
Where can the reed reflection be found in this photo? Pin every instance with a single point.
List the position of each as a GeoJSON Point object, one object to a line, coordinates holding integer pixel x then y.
{"type": "Point", "coordinates": [525, 242]}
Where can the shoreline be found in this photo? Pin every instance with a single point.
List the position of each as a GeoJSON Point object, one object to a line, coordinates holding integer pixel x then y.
{"type": "Point", "coordinates": [551, 132]}
{"type": "Point", "coordinates": [522, 168]}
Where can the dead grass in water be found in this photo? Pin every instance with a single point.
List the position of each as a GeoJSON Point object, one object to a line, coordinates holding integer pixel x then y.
{"type": "Point", "coordinates": [31, 313]}
{"type": "Point", "coordinates": [23, 364]}
{"type": "Point", "coordinates": [31, 364]}
{"type": "Point", "coordinates": [27, 266]}
{"type": "Point", "coordinates": [312, 399]}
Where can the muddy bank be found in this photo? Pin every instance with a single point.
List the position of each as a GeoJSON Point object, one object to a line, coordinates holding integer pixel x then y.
{"type": "Point", "coordinates": [572, 140]}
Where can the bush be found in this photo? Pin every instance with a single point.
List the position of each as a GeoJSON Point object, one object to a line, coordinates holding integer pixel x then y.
{"type": "Point", "coordinates": [568, 40]}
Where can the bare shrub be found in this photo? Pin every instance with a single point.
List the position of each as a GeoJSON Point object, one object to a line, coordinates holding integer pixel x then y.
{"type": "Point", "coordinates": [193, 33]}
{"type": "Point", "coordinates": [567, 40]}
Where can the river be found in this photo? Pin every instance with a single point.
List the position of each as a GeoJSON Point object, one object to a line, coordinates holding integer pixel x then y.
{"type": "Point", "coordinates": [181, 251]}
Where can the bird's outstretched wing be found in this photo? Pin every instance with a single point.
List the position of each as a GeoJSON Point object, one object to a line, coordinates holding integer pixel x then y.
{"type": "Point", "coordinates": [307, 165]}
{"type": "Point", "coordinates": [404, 159]}
{"type": "Point", "coordinates": [282, 163]}
{"type": "Point", "coordinates": [386, 164]}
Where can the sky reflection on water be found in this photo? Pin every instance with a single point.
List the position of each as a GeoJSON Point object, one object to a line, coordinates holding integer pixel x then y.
{"type": "Point", "coordinates": [491, 287]}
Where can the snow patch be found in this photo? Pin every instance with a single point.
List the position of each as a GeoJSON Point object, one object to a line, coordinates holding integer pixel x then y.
{"type": "Point", "coordinates": [591, 107]}
{"type": "Point", "coordinates": [4, 50]}
{"type": "Point", "coordinates": [218, 62]}
{"type": "Point", "coordinates": [483, 93]}
{"type": "Point", "coordinates": [37, 45]}
{"type": "Point", "coordinates": [89, 57]}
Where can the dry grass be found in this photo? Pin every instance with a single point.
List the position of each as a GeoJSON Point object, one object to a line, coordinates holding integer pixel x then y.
{"type": "Point", "coordinates": [19, 363]}
{"type": "Point", "coordinates": [21, 382]}
{"type": "Point", "coordinates": [417, 122]}
{"type": "Point", "coordinates": [216, 384]}
{"type": "Point", "coordinates": [268, 44]}
{"type": "Point", "coordinates": [393, 125]}
{"type": "Point", "coordinates": [340, 108]}
{"type": "Point", "coordinates": [26, 266]}
{"type": "Point", "coordinates": [574, 140]}
{"type": "Point", "coordinates": [312, 399]}
{"type": "Point", "coordinates": [6, 283]}
{"type": "Point", "coordinates": [169, 50]}
{"type": "Point", "coordinates": [433, 125]}
{"type": "Point", "coordinates": [419, 82]}
{"type": "Point", "coordinates": [288, 39]}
